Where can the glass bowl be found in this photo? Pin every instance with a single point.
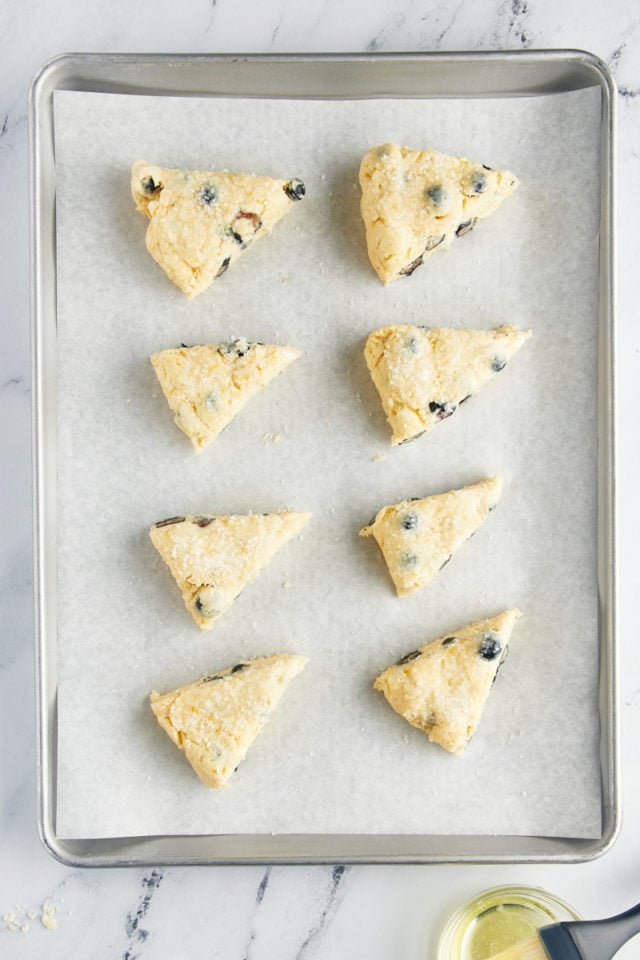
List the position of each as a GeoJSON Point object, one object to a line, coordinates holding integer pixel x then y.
{"type": "Point", "coordinates": [497, 919]}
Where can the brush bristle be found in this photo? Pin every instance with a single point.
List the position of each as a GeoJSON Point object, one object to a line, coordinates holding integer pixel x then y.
{"type": "Point", "coordinates": [529, 949]}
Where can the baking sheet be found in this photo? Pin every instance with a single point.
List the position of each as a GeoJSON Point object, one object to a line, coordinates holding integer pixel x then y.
{"type": "Point", "coordinates": [334, 758]}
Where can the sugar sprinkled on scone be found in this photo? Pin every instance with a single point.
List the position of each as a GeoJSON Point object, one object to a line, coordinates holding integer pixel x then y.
{"type": "Point", "coordinates": [419, 537]}
{"type": "Point", "coordinates": [206, 386]}
{"type": "Point", "coordinates": [417, 201]}
{"type": "Point", "coordinates": [442, 687]}
{"type": "Point", "coordinates": [213, 557]}
{"type": "Point", "coordinates": [200, 221]}
{"type": "Point", "coordinates": [423, 374]}
{"type": "Point", "coordinates": [216, 719]}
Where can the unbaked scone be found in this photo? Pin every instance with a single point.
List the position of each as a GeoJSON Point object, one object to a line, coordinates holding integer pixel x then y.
{"type": "Point", "coordinates": [418, 537]}
{"type": "Point", "coordinates": [442, 687]}
{"type": "Point", "coordinates": [212, 558]}
{"type": "Point", "coordinates": [216, 719]}
{"type": "Point", "coordinates": [417, 201]}
{"type": "Point", "coordinates": [200, 221]}
{"type": "Point", "coordinates": [423, 374]}
{"type": "Point", "coordinates": [206, 386]}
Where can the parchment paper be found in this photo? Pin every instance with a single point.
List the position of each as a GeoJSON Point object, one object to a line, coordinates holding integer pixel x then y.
{"type": "Point", "coordinates": [334, 758]}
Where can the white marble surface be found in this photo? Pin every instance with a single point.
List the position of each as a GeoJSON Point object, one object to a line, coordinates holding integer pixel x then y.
{"type": "Point", "coordinates": [279, 913]}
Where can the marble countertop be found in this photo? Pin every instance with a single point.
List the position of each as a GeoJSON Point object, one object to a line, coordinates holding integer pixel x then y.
{"type": "Point", "coordinates": [283, 912]}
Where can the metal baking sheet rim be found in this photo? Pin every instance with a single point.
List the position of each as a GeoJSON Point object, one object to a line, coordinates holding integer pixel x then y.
{"type": "Point", "coordinates": [516, 73]}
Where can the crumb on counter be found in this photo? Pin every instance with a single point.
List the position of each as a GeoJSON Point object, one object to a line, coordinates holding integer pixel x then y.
{"type": "Point", "coordinates": [48, 916]}
{"type": "Point", "coordinates": [17, 921]}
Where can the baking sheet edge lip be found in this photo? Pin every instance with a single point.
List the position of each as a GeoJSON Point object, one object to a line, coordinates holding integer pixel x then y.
{"type": "Point", "coordinates": [612, 813]}
{"type": "Point", "coordinates": [54, 846]}
{"type": "Point", "coordinates": [59, 61]}
{"type": "Point", "coordinates": [56, 849]}
{"type": "Point", "coordinates": [42, 798]}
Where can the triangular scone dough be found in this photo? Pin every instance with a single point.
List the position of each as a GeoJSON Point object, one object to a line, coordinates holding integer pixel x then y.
{"type": "Point", "coordinates": [423, 374]}
{"type": "Point", "coordinates": [212, 558]}
{"type": "Point", "coordinates": [216, 719]}
{"type": "Point", "coordinates": [418, 537]}
{"type": "Point", "coordinates": [417, 201]}
{"type": "Point", "coordinates": [201, 221]}
{"type": "Point", "coordinates": [206, 386]}
{"type": "Point", "coordinates": [442, 687]}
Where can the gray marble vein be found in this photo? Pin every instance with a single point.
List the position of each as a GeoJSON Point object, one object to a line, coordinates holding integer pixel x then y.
{"type": "Point", "coordinates": [620, 57]}
{"type": "Point", "coordinates": [262, 889]}
{"type": "Point", "coordinates": [136, 934]}
{"type": "Point", "coordinates": [276, 30]}
{"type": "Point", "coordinates": [16, 382]}
{"type": "Point", "coordinates": [380, 40]}
{"type": "Point", "coordinates": [332, 903]}
{"type": "Point", "coordinates": [518, 22]}
{"type": "Point", "coordinates": [212, 14]}
{"type": "Point", "coordinates": [13, 131]}
{"type": "Point", "coordinates": [451, 20]}
{"type": "Point", "coordinates": [375, 43]}
{"type": "Point", "coordinates": [511, 27]}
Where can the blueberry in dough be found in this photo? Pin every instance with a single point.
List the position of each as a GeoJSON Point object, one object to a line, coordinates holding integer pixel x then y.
{"type": "Point", "coordinates": [410, 559]}
{"type": "Point", "coordinates": [408, 657]}
{"type": "Point", "coordinates": [490, 646]}
{"type": "Point", "coordinates": [410, 521]}
{"type": "Point", "coordinates": [208, 195]}
{"type": "Point", "coordinates": [442, 410]}
{"type": "Point", "coordinates": [295, 189]}
{"type": "Point", "coordinates": [149, 186]}
{"type": "Point", "coordinates": [465, 227]}
{"type": "Point", "coordinates": [437, 194]}
{"type": "Point", "coordinates": [478, 182]}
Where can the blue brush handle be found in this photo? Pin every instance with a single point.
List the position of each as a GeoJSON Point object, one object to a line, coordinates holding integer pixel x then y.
{"type": "Point", "coordinates": [591, 939]}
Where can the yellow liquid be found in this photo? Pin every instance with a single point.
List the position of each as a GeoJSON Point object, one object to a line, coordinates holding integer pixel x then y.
{"type": "Point", "coordinates": [498, 919]}
{"type": "Point", "coordinates": [499, 927]}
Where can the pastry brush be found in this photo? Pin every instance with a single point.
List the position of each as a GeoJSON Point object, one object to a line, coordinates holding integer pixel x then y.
{"type": "Point", "coordinates": [577, 939]}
